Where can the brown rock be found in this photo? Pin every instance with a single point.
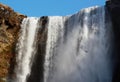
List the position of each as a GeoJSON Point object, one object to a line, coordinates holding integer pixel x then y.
{"type": "Point", "coordinates": [9, 28]}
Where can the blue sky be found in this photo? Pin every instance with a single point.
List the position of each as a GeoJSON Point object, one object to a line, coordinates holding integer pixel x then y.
{"type": "Point", "coordinates": [50, 7]}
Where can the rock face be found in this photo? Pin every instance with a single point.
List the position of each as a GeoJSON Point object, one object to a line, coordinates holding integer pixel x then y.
{"type": "Point", "coordinates": [9, 27]}
{"type": "Point", "coordinates": [37, 67]}
{"type": "Point", "coordinates": [113, 7]}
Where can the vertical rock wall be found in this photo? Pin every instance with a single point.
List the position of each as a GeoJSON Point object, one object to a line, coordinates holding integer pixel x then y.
{"type": "Point", "coordinates": [113, 7]}
{"type": "Point", "coordinates": [9, 27]}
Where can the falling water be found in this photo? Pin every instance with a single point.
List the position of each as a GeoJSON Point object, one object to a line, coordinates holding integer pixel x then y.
{"type": "Point", "coordinates": [54, 32]}
{"type": "Point", "coordinates": [79, 48]}
{"type": "Point", "coordinates": [26, 48]}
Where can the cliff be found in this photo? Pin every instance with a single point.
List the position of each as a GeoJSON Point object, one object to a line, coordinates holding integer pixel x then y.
{"type": "Point", "coordinates": [113, 8]}
{"type": "Point", "coordinates": [9, 27]}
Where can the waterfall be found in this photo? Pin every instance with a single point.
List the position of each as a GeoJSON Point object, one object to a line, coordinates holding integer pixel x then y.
{"type": "Point", "coordinates": [79, 48]}
{"type": "Point", "coordinates": [26, 48]}
{"type": "Point", "coordinates": [74, 48]}
{"type": "Point", "coordinates": [54, 32]}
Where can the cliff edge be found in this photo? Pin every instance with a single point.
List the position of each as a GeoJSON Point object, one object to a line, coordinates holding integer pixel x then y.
{"type": "Point", "coordinates": [9, 27]}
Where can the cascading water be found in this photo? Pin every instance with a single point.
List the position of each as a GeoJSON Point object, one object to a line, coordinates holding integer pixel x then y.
{"type": "Point", "coordinates": [55, 30]}
{"type": "Point", "coordinates": [79, 48]}
{"type": "Point", "coordinates": [26, 48]}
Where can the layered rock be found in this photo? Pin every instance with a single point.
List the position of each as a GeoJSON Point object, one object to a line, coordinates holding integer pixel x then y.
{"type": "Point", "coordinates": [9, 27]}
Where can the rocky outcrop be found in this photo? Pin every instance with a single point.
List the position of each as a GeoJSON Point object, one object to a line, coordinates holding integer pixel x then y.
{"type": "Point", "coordinates": [9, 27]}
{"type": "Point", "coordinates": [113, 7]}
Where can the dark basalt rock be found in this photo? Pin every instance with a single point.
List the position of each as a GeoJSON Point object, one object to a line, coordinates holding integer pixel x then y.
{"type": "Point", "coordinates": [37, 66]}
{"type": "Point", "coordinates": [113, 7]}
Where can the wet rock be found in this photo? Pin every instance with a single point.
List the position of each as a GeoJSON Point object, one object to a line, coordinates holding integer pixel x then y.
{"type": "Point", "coordinates": [113, 7]}
{"type": "Point", "coordinates": [37, 67]}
